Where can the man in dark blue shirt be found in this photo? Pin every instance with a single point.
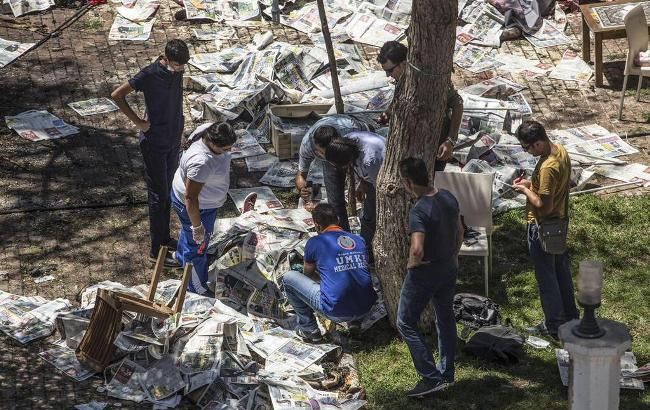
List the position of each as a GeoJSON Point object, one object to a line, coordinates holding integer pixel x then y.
{"type": "Point", "coordinates": [436, 236]}
{"type": "Point", "coordinates": [345, 291]}
{"type": "Point", "coordinates": [160, 134]}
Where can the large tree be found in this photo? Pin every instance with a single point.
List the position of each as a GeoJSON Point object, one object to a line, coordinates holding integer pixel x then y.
{"type": "Point", "coordinates": [415, 126]}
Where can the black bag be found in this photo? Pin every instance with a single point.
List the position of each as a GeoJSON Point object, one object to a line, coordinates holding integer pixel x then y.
{"type": "Point", "coordinates": [497, 344]}
{"type": "Point", "coordinates": [475, 311]}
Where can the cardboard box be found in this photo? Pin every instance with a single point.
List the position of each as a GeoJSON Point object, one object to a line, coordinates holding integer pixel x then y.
{"type": "Point", "coordinates": [287, 144]}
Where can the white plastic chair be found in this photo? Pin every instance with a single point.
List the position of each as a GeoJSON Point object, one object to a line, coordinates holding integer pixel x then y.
{"type": "Point", "coordinates": [636, 27]}
{"type": "Point", "coordinates": [474, 194]}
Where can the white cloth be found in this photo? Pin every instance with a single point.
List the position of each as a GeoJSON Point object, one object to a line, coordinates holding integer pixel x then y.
{"type": "Point", "coordinates": [199, 164]}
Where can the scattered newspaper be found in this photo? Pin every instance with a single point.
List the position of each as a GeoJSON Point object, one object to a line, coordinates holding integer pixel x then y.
{"type": "Point", "coordinates": [140, 11]}
{"type": "Point", "coordinates": [572, 68]}
{"type": "Point", "coordinates": [307, 19]}
{"type": "Point", "coordinates": [21, 7]}
{"type": "Point", "coordinates": [369, 29]}
{"type": "Point", "coordinates": [93, 106]}
{"type": "Point", "coordinates": [65, 360]}
{"type": "Point", "coordinates": [260, 163]}
{"type": "Point", "coordinates": [624, 173]}
{"type": "Point", "coordinates": [521, 65]}
{"type": "Point", "coordinates": [161, 380]}
{"type": "Point", "coordinates": [563, 363]}
{"type": "Point", "coordinates": [200, 354]}
{"type": "Point", "coordinates": [126, 30]}
{"type": "Point", "coordinates": [125, 383]}
{"type": "Point", "coordinates": [281, 174]}
{"type": "Point", "coordinates": [266, 199]}
{"type": "Point", "coordinates": [224, 61]}
{"type": "Point", "coordinates": [39, 125]}
{"type": "Point", "coordinates": [288, 69]}
{"type": "Point", "coordinates": [219, 10]}
{"type": "Point", "coordinates": [259, 63]}
{"type": "Point", "coordinates": [246, 146]}
{"type": "Point", "coordinates": [207, 34]}
{"type": "Point", "coordinates": [496, 87]}
{"type": "Point", "coordinates": [548, 36]}
{"type": "Point", "coordinates": [10, 50]}
{"type": "Point", "coordinates": [485, 30]}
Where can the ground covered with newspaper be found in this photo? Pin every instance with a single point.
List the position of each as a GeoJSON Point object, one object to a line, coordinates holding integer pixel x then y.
{"type": "Point", "coordinates": [74, 203]}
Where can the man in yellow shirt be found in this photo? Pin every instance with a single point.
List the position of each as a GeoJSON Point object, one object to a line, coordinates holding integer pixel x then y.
{"type": "Point", "coordinates": [547, 197]}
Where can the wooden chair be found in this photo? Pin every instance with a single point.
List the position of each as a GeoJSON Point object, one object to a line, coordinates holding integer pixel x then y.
{"type": "Point", "coordinates": [636, 28]}
{"type": "Point", "coordinates": [96, 349]}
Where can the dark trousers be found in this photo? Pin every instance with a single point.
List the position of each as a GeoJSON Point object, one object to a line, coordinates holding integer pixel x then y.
{"type": "Point", "coordinates": [369, 217]}
{"type": "Point", "coordinates": [159, 165]}
{"type": "Point", "coordinates": [438, 284]}
{"type": "Point", "coordinates": [334, 179]}
{"type": "Point", "coordinates": [440, 165]}
{"type": "Point", "coordinates": [553, 274]}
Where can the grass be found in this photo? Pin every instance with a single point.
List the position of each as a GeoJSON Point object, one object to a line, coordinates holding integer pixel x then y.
{"type": "Point", "coordinates": [612, 230]}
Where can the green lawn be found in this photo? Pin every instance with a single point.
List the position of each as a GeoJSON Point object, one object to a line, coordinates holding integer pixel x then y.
{"type": "Point", "coordinates": [613, 230]}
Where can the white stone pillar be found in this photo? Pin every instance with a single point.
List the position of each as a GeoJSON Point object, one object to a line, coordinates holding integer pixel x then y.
{"type": "Point", "coordinates": [595, 365]}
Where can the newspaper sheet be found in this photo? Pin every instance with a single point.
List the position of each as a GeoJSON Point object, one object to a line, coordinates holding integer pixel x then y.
{"type": "Point", "coordinates": [485, 30]}
{"type": "Point", "coordinates": [20, 7]}
{"type": "Point", "coordinates": [65, 360]}
{"type": "Point", "coordinates": [219, 10]}
{"type": "Point", "coordinates": [625, 173]}
{"type": "Point", "coordinates": [294, 355]}
{"type": "Point", "coordinates": [140, 11]}
{"type": "Point", "coordinates": [548, 36]}
{"type": "Point", "coordinates": [125, 384]}
{"type": "Point", "coordinates": [295, 393]}
{"type": "Point", "coordinates": [307, 19]}
{"type": "Point", "coordinates": [10, 50]}
{"type": "Point", "coordinates": [260, 163]}
{"type": "Point", "coordinates": [246, 146]}
{"type": "Point", "coordinates": [368, 29]}
{"type": "Point", "coordinates": [258, 63]}
{"type": "Point", "coordinates": [475, 59]}
{"type": "Point", "coordinates": [614, 15]}
{"type": "Point", "coordinates": [39, 125]}
{"type": "Point", "coordinates": [224, 61]}
{"type": "Point", "coordinates": [200, 353]}
{"type": "Point", "coordinates": [162, 380]}
{"type": "Point", "coordinates": [521, 65]}
{"type": "Point", "coordinates": [523, 106]}
{"type": "Point", "coordinates": [497, 87]}
{"type": "Point", "coordinates": [93, 106]}
{"type": "Point", "coordinates": [282, 174]}
{"type": "Point", "coordinates": [572, 68]}
{"type": "Point", "coordinates": [609, 146]}
{"type": "Point", "coordinates": [288, 69]}
{"type": "Point", "coordinates": [266, 199]}
{"type": "Point", "coordinates": [355, 84]}
{"type": "Point", "coordinates": [126, 30]}
{"type": "Point", "coordinates": [209, 33]}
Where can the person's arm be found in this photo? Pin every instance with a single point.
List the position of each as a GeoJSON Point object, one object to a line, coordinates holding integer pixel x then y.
{"type": "Point", "coordinates": [192, 191]}
{"type": "Point", "coordinates": [543, 199]}
{"type": "Point", "coordinates": [416, 252]}
{"type": "Point", "coordinates": [305, 157]}
{"type": "Point", "coordinates": [309, 265]}
{"type": "Point", "coordinates": [384, 117]}
{"type": "Point", "coordinates": [446, 148]}
{"type": "Point", "coordinates": [119, 96]}
{"type": "Point", "coordinates": [301, 185]}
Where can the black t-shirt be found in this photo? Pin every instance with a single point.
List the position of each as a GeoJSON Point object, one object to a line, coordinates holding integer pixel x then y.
{"type": "Point", "coordinates": [163, 96]}
{"type": "Point", "coordinates": [437, 217]}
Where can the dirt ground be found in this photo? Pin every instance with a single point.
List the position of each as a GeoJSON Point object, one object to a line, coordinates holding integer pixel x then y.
{"type": "Point", "coordinates": [76, 207]}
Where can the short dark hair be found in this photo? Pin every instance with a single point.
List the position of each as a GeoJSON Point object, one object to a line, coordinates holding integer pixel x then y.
{"type": "Point", "coordinates": [342, 151]}
{"type": "Point", "coordinates": [324, 135]}
{"type": "Point", "coordinates": [414, 169]}
{"type": "Point", "coordinates": [220, 134]}
{"type": "Point", "coordinates": [392, 50]}
{"type": "Point", "coordinates": [176, 50]}
{"type": "Point", "coordinates": [324, 215]}
{"type": "Point", "coordinates": [529, 132]}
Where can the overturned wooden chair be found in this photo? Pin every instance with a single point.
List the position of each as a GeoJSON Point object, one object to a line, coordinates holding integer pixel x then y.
{"type": "Point", "coordinates": [96, 349]}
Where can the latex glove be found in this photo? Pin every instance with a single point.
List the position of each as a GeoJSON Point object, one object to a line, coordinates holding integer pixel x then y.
{"type": "Point", "coordinates": [198, 233]}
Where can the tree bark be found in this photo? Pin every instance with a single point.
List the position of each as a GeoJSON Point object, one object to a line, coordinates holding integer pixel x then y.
{"type": "Point", "coordinates": [415, 126]}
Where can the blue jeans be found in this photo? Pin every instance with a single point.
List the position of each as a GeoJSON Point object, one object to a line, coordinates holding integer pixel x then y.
{"type": "Point", "coordinates": [438, 284]}
{"type": "Point", "coordinates": [159, 166]}
{"type": "Point", "coordinates": [189, 251]}
{"type": "Point", "coordinates": [303, 294]}
{"type": "Point", "coordinates": [553, 274]}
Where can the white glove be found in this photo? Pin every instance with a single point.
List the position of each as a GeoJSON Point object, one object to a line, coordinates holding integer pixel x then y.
{"type": "Point", "coordinates": [198, 233]}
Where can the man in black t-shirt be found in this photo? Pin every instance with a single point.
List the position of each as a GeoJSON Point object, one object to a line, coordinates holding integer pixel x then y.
{"type": "Point", "coordinates": [436, 236]}
{"type": "Point", "coordinates": [160, 135]}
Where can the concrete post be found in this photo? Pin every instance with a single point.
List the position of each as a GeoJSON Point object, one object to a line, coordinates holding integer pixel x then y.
{"type": "Point", "coordinates": [595, 365]}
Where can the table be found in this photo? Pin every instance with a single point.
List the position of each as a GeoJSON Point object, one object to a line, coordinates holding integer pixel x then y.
{"type": "Point", "coordinates": [610, 27]}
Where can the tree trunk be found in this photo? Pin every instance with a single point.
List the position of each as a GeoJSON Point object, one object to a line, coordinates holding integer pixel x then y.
{"type": "Point", "coordinates": [415, 126]}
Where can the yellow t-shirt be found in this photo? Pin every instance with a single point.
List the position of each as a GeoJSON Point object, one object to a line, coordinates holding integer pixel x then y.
{"type": "Point", "coordinates": [552, 177]}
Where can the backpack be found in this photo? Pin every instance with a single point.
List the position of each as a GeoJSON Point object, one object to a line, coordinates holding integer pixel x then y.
{"type": "Point", "coordinates": [475, 311]}
{"type": "Point", "coordinates": [496, 343]}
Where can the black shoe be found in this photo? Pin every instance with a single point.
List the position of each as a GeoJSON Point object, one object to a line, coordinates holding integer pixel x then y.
{"type": "Point", "coordinates": [170, 261]}
{"type": "Point", "coordinates": [538, 330]}
{"type": "Point", "coordinates": [311, 337]}
{"type": "Point", "coordinates": [354, 328]}
{"type": "Point", "coordinates": [172, 244]}
{"type": "Point", "coordinates": [427, 386]}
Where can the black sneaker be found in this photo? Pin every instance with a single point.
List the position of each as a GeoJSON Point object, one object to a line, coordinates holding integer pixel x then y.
{"type": "Point", "coordinates": [170, 261]}
{"type": "Point", "coordinates": [311, 337]}
{"type": "Point", "coordinates": [538, 330]}
{"type": "Point", "coordinates": [427, 386]}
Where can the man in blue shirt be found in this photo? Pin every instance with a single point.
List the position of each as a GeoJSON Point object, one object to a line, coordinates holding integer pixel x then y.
{"type": "Point", "coordinates": [345, 291]}
{"type": "Point", "coordinates": [436, 236]}
{"type": "Point", "coordinates": [160, 135]}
